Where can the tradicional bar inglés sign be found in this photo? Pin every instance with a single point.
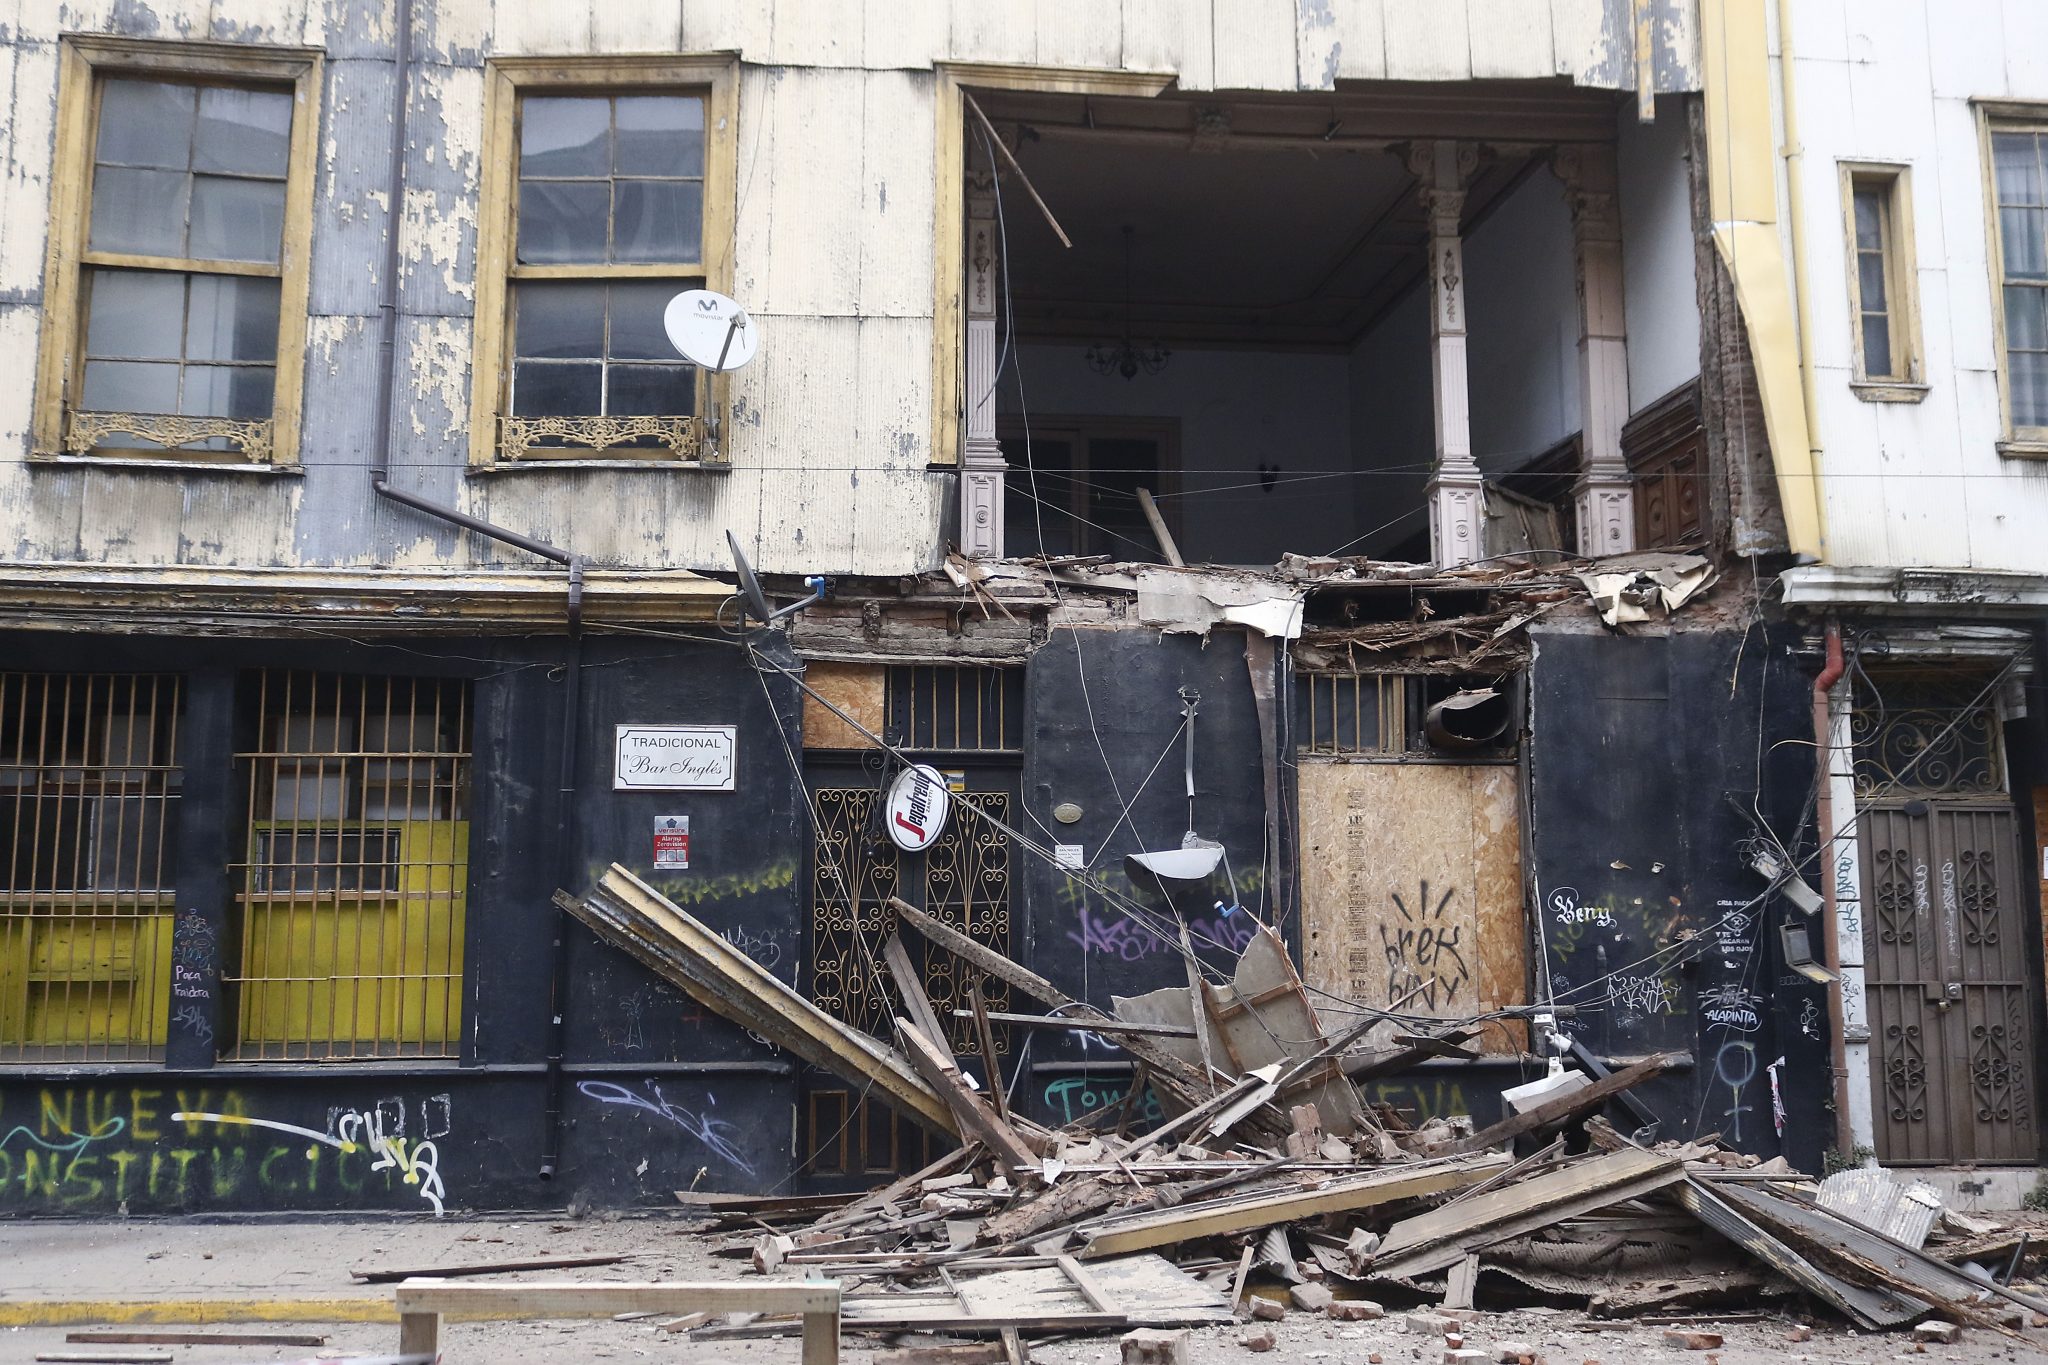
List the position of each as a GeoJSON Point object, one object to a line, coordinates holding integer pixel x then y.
{"type": "Point", "coordinates": [674, 758]}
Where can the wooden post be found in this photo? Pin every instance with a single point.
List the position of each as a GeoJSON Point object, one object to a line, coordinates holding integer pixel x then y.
{"type": "Point", "coordinates": [419, 1334]}
{"type": "Point", "coordinates": [821, 1336]}
{"type": "Point", "coordinates": [981, 459]}
{"type": "Point", "coordinates": [1457, 491]}
{"type": "Point", "coordinates": [1603, 495]}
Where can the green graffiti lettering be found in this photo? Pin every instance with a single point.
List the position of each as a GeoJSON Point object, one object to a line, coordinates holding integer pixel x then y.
{"type": "Point", "coordinates": [122, 1161]}
{"type": "Point", "coordinates": [82, 1184]}
{"type": "Point", "coordinates": [270, 1179]}
{"type": "Point", "coordinates": [56, 1124]}
{"type": "Point", "coordinates": [142, 1114]}
{"type": "Point", "coordinates": [184, 1156]}
{"type": "Point", "coordinates": [39, 1173]}
{"type": "Point", "coordinates": [228, 1172]}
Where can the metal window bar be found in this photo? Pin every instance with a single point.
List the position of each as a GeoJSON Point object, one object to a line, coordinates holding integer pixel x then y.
{"type": "Point", "coordinates": [89, 791]}
{"type": "Point", "coordinates": [1354, 713]}
{"type": "Point", "coordinates": [968, 708]}
{"type": "Point", "coordinates": [1920, 731]}
{"type": "Point", "coordinates": [351, 900]}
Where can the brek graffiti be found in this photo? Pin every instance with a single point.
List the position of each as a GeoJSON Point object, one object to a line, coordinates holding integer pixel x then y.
{"type": "Point", "coordinates": [918, 803]}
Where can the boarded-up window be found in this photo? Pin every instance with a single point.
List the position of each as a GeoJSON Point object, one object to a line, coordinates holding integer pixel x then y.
{"type": "Point", "coordinates": [1411, 888]}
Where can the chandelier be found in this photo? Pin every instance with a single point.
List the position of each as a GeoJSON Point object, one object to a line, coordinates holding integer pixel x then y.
{"type": "Point", "coordinates": [1125, 356]}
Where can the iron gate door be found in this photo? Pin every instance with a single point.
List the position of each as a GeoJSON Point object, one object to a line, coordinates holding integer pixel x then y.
{"type": "Point", "coordinates": [1946, 960]}
{"type": "Point", "coordinates": [963, 879]}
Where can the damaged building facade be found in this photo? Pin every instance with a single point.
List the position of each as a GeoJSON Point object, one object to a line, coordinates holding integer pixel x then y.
{"type": "Point", "coordinates": [1341, 434]}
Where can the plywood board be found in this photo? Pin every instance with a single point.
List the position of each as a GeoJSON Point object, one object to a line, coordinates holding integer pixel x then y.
{"type": "Point", "coordinates": [855, 689]}
{"type": "Point", "coordinates": [1412, 888]}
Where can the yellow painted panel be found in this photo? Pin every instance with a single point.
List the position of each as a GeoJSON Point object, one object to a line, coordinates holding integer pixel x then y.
{"type": "Point", "coordinates": [349, 969]}
{"type": "Point", "coordinates": [95, 979]}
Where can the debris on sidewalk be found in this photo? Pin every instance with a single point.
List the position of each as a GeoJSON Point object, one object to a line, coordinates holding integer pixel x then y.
{"type": "Point", "coordinates": [1268, 1161]}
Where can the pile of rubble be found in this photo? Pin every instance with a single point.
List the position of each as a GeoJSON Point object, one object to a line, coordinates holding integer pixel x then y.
{"type": "Point", "coordinates": [1274, 1186]}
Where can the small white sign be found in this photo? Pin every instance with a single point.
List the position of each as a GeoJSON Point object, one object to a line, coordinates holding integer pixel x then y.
{"type": "Point", "coordinates": [918, 802]}
{"type": "Point", "coordinates": [1074, 856]}
{"type": "Point", "coordinates": [674, 758]}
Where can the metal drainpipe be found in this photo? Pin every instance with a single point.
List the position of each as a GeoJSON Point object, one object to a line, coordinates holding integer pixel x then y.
{"type": "Point", "coordinates": [380, 480]}
{"type": "Point", "coordinates": [1831, 934]}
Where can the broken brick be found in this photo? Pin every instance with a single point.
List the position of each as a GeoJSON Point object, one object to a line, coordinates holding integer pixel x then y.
{"type": "Point", "coordinates": [1356, 1310]}
{"type": "Point", "coordinates": [1312, 1297]}
{"type": "Point", "coordinates": [1259, 1339]}
{"type": "Point", "coordinates": [1937, 1333]}
{"type": "Point", "coordinates": [1690, 1339]}
{"type": "Point", "coordinates": [1155, 1346]}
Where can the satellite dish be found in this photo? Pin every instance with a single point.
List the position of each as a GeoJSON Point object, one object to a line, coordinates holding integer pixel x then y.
{"type": "Point", "coordinates": [712, 332]}
{"type": "Point", "coordinates": [750, 586]}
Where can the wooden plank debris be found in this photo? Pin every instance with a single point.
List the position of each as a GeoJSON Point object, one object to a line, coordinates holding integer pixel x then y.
{"type": "Point", "coordinates": [450, 1272]}
{"type": "Point", "coordinates": [629, 914]}
{"type": "Point", "coordinates": [1562, 1109]}
{"type": "Point", "coordinates": [165, 1336]}
{"type": "Point", "coordinates": [1248, 1212]}
{"type": "Point", "coordinates": [421, 1304]}
{"type": "Point", "coordinates": [971, 1113]}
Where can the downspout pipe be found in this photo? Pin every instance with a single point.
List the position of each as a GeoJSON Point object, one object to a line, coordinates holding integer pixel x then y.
{"type": "Point", "coordinates": [387, 343]}
{"type": "Point", "coordinates": [1831, 929]}
{"type": "Point", "coordinates": [380, 481]}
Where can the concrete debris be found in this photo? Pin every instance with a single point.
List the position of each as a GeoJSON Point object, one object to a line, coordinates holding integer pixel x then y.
{"type": "Point", "coordinates": [1630, 588]}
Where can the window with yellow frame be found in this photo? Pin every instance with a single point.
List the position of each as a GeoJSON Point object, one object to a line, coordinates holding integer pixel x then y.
{"type": "Point", "coordinates": [175, 289]}
{"type": "Point", "coordinates": [608, 190]}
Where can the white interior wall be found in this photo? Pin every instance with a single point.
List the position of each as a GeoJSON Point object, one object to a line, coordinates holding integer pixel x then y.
{"type": "Point", "coordinates": [1657, 265]}
{"type": "Point", "coordinates": [1393, 427]}
{"type": "Point", "coordinates": [1523, 340]}
{"type": "Point", "coordinates": [1236, 409]}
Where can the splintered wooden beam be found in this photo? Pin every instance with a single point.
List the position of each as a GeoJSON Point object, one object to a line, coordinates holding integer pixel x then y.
{"type": "Point", "coordinates": [1562, 1109]}
{"type": "Point", "coordinates": [631, 915]}
{"type": "Point", "coordinates": [1170, 1075]}
{"type": "Point", "coordinates": [971, 1113]}
{"type": "Point", "coordinates": [1245, 1213]}
{"type": "Point", "coordinates": [1444, 1236]}
{"type": "Point", "coordinates": [449, 1272]}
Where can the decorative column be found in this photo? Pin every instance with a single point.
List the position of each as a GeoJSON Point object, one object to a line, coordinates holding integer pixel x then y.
{"type": "Point", "coordinates": [1457, 490]}
{"type": "Point", "coordinates": [1603, 495]}
{"type": "Point", "coordinates": [981, 459]}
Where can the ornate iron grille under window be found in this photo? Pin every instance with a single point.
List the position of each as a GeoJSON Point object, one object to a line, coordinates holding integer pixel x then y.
{"type": "Point", "coordinates": [352, 894]}
{"type": "Point", "coordinates": [89, 793]}
{"type": "Point", "coordinates": [1926, 732]}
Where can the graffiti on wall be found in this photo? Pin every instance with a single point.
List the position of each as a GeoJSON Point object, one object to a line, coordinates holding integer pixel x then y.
{"type": "Point", "coordinates": [1426, 968]}
{"type": "Point", "coordinates": [86, 1147]}
{"type": "Point", "coordinates": [1101, 930]}
{"type": "Point", "coordinates": [718, 1137]}
{"type": "Point", "coordinates": [1072, 1096]}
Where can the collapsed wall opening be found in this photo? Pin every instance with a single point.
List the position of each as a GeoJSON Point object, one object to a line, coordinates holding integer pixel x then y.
{"type": "Point", "coordinates": [1262, 321]}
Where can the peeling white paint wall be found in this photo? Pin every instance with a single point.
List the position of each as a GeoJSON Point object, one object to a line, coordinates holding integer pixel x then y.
{"type": "Point", "coordinates": [1918, 484]}
{"type": "Point", "coordinates": [829, 433]}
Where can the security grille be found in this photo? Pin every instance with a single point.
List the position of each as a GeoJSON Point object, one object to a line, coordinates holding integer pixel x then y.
{"type": "Point", "coordinates": [89, 793]}
{"type": "Point", "coordinates": [351, 896]}
{"type": "Point", "coordinates": [947, 708]}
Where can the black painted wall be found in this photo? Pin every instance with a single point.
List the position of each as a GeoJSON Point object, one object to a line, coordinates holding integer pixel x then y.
{"type": "Point", "coordinates": [653, 1091]}
{"type": "Point", "coordinates": [1653, 760]}
{"type": "Point", "coordinates": [1104, 710]}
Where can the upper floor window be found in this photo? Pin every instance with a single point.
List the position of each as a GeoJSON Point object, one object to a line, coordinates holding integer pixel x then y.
{"type": "Point", "coordinates": [176, 300]}
{"type": "Point", "coordinates": [2020, 187]}
{"type": "Point", "coordinates": [1883, 311]}
{"type": "Point", "coordinates": [616, 200]}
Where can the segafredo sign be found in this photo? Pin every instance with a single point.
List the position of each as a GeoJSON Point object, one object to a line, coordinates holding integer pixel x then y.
{"type": "Point", "coordinates": [917, 808]}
